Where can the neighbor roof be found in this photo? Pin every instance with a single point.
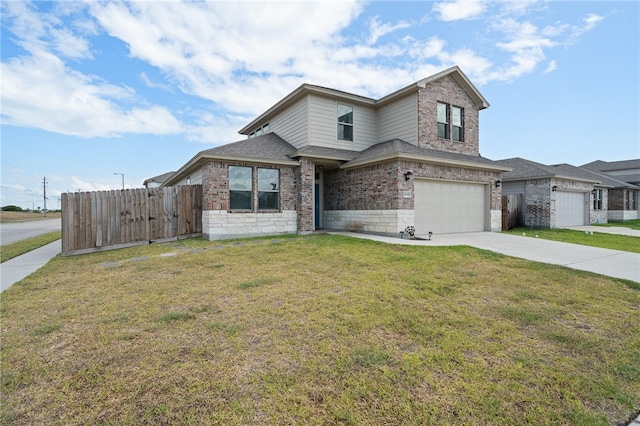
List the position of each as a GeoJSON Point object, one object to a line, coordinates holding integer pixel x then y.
{"type": "Point", "coordinates": [159, 179]}
{"type": "Point", "coordinates": [526, 169]}
{"type": "Point", "coordinates": [305, 89]}
{"type": "Point", "coordinates": [633, 177]}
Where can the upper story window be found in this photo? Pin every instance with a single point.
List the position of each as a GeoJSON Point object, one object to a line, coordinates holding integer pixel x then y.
{"type": "Point", "coordinates": [443, 120]}
{"type": "Point", "coordinates": [450, 122]}
{"type": "Point", "coordinates": [345, 123]}
{"type": "Point", "coordinates": [597, 199]}
{"type": "Point", "coordinates": [268, 189]}
{"type": "Point", "coordinates": [260, 130]}
{"type": "Point", "coordinates": [240, 187]}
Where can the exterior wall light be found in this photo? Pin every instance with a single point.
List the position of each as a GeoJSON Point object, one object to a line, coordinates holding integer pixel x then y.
{"type": "Point", "coordinates": [407, 176]}
{"type": "Point", "coordinates": [554, 188]}
{"type": "Point", "coordinates": [593, 192]}
{"type": "Point", "coordinates": [498, 183]}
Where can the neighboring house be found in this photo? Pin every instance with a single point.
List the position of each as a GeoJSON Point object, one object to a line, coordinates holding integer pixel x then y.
{"type": "Point", "coordinates": [623, 198]}
{"type": "Point", "coordinates": [558, 195]}
{"type": "Point", "coordinates": [325, 159]}
{"type": "Point", "coordinates": [157, 181]}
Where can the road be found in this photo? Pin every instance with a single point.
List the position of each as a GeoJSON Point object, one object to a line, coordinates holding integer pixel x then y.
{"type": "Point", "coordinates": [12, 232]}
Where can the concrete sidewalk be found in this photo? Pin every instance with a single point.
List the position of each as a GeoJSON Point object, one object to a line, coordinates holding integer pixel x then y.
{"type": "Point", "coordinates": [22, 266]}
{"type": "Point", "coordinates": [612, 263]}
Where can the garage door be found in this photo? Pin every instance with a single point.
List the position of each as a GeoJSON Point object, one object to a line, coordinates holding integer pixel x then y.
{"type": "Point", "coordinates": [448, 207]}
{"type": "Point", "coordinates": [570, 208]}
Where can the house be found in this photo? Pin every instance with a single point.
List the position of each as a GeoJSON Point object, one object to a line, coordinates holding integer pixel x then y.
{"type": "Point", "coordinates": [156, 181]}
{"type": "Point", "coordinates": [321, 158]}
{"type": "Point", "coordinates": [623, 198]}
{"type": "Point", "coordinates": [558, 195]}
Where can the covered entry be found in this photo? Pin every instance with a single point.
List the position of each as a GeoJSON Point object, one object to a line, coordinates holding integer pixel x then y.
{"type": "Point", "coordinates": [447, 207]}
{"type": "Point", "coordinates": [570, 208]}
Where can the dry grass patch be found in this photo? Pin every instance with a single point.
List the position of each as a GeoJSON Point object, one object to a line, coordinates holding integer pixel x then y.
{"type": "Point", "coordinates": [317, 330]}
{"type": "Point", "coordinates": [7, 217]}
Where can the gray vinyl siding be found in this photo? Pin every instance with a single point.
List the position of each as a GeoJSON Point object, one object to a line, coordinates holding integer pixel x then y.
{"type": "Point", "coordinates": [196, 178]}
{"type": "Point", "coordinates": [399, 119]}
{"type": "Point", "coordinates": [513, 188]}
{"type": "Point", "coordinates": [323, 125]}
{"type": "Point", "coordinates": [291, 124]}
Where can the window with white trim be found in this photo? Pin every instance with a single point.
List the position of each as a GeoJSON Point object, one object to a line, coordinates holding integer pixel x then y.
{"type": "Point", "coordinates": [450, 122]}
{"type": "Point", "coordinates": [597, 199]}
{"type": "Point", "coordinates": [240, 188]}
{"type": "Point", "coordinates": [630, 199]}
{"type": "Point", "coordinates": [345, 122]}
{"type": "Point", "coordinates": [268, 189]}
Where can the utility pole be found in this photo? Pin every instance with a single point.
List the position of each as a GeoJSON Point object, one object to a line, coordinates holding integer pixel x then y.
{"type": "Point", "coordinates": [44, 186]}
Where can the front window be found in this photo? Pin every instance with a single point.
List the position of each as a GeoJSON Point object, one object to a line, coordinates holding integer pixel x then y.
{"type": "Point", "coordinates": [457, 120]}
{"type": "Point", "coordinates": [597, 199]}
{"type": "Point", "coordinates": [630, 200]}
{"type": "Point", "coordinates": [268, 189]}
{"type": "Point", "coordinates": [345, 123]}
{"type": "Point", "coordinates": [240, 194]}
{"type": "Point", "coordinates": [443, 120]}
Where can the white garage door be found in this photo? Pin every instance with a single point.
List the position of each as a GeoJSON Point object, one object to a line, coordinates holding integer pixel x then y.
{"type": "Point", "coordinates": [448, 207]}
{"type": "Point", "coordinates": [570, 208]}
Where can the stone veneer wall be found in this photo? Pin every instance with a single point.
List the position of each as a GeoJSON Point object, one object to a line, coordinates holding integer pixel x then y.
{"type": "Point", "coordinates": [218, 222]}
{"type": "Point", "coordinates": [385, 222]}
{"type": "Point", "coordinates": [448, 91]}
{"type": "Point", "coordinates": [616, 205]}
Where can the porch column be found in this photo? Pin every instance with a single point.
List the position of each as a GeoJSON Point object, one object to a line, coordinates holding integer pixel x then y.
{"type": "Point", "coordinates": [306, 180]}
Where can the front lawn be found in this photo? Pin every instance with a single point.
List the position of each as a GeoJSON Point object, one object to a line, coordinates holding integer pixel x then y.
{"type": "Point", "coordinates": [317, 330]}
{"type": "Point", "coordinates": [597, 239]}
{"type": "Point", "coordinates": [633, 224]}
{"type": "Point", "coordinates": [11, 250]}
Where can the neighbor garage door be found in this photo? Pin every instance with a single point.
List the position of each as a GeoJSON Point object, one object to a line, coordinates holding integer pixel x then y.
{"type": "Point", "coordinates": [570, 208]}
{"type": "Point", "coordinates": [447, 207]}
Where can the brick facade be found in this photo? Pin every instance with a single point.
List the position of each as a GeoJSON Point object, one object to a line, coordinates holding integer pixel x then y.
{"type": "Point", "coordinates": [448, 91]}
{"type": "Point", "coordinates": [305, 183]}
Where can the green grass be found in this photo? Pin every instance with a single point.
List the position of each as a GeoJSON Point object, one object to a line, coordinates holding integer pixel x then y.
{"type": "Point", "coordinates": [317, 330]}
{"type": "Point", "coordinates": [633, 224]}
{"type": "Point", "coordinates": [11, 250]}
{"type": "Point", "coordinates": [598, 239]}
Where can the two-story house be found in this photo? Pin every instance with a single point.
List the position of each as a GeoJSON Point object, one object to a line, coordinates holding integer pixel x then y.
{"type": "Point", "coordinates": [325, 159]}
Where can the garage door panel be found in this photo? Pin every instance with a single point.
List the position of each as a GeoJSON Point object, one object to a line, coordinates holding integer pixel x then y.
{"type": "Point", "coordinates": [570, 208]}
{"type": "Point", "coordinates": [447, 207]}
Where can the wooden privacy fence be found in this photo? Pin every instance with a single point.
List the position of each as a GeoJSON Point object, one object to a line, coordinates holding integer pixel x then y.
{"type": "Point", "coordinates": [512, 211]}
{"type": "Point", "coordinates": [103, 220]}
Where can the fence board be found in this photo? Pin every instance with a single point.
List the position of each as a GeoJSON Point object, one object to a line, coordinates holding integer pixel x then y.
{"type": "Point", "coordinates": [104, 220]}
{"type": "Point", "coordinates": [512, 211]}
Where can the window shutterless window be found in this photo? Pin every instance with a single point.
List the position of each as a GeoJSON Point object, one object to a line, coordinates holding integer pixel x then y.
{"type": "Point", "coordinates": [240, 192]}
{"type": "Point", "coordinates": [268, 189]}
{"type": "Point", "coordinates": [457, 123]}
{"type": "Point", "coordinates": [345, 123]}
{"type": "Point", "coordinates": [597, 199]}
{"type": "Point", "coordinates": [443, 120]}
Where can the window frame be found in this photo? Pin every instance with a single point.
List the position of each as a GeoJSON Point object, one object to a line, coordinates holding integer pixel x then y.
{"type": "Point", "coordinates": [345, 124]}
{"type": "Point", "coordinates": [444, 125]}
{"type": "Point", "coordinates": [275, 190]}
{"type": "Point", "coordinates": [597, 199]}
{"type": "Point", "coordinates": [232, 190]}
{"type": "Point", "coordinates": [454, 126]}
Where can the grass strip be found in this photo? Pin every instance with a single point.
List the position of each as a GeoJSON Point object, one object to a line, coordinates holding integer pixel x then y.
{"type": "Point", "coordinates": [632, 224]}
{"type": "Point", "coordinates": [9, 251]}
{"type": "Point", "coordinates": [598, 239]}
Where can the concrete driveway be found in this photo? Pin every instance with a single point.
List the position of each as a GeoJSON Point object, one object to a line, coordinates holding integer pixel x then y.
{"type": "Point", "coordinates": [612, 263]}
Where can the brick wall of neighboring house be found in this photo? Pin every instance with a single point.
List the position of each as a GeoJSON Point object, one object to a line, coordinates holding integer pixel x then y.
{"type": "Point", "coordinates": [599, 216]}
{"type": "Point", "coordinates": [538, 203]}
{"type": "Point", "coordinates": [583, 187]}
{"type": "Point", "coordinates": [616, 206]}
{"type": "Point", "coordinates": [616, 199]}
{"type": "Point", "coordinates": [448, 91]}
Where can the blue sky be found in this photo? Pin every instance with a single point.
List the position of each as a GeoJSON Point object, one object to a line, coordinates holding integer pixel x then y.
{"type": "Point", "coordinates": [94, 88]}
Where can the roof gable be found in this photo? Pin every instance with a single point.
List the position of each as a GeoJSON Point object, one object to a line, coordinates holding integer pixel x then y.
{"type": "Point", "coordinates": [306, 89]}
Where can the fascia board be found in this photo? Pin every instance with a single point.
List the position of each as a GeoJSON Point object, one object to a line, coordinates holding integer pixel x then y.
{"type": "Point", "coordinates": [424, 159]}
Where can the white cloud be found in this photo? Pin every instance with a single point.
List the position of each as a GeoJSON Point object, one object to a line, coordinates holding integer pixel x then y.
{"type": "Point", "coordinates": [379, 29]}
{"type": "Point", "coordinates": [551, 67]}
{"type": "Point", "coordinates": [459, 10]}
{"type": "Point", "coordinates": [589, 23]}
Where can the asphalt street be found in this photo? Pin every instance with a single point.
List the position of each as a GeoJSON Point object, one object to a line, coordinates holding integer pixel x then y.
{"type": "Point", "coordinates": [12, 232]}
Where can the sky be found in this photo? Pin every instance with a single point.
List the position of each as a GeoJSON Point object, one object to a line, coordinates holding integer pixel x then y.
{"type": "Point", "coordinates": [94, 88]}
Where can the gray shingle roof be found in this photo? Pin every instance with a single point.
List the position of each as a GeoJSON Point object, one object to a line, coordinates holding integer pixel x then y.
{"type": "Point", "coordinates": [608, 166]}
{"type": "Point", "coordinates": [526, 169]}
{"type": "Point", "coordinates": [398, 146]}
{"type": "Point", "coordinates": [160, 178]}
{"type": "Point", "coordinates": [267, 147]}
